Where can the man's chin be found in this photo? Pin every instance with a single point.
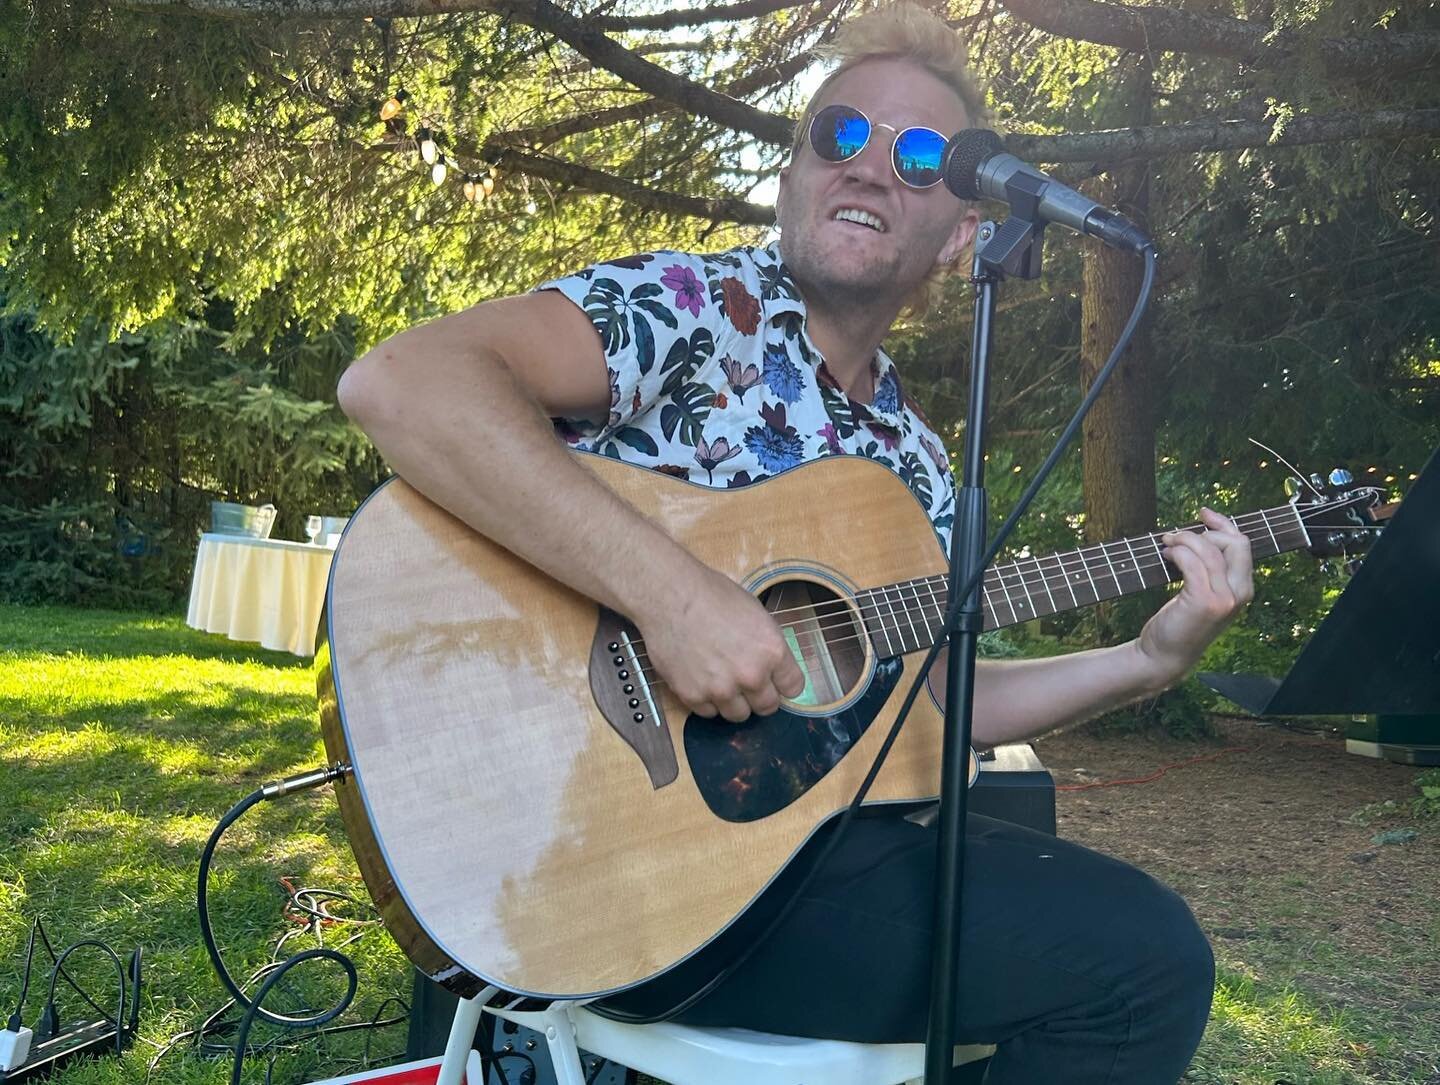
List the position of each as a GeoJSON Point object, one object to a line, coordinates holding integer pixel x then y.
{"type": "Point", "coordinates": [852, 278]}
{"type": "Point", "coordinates": [845, 273]}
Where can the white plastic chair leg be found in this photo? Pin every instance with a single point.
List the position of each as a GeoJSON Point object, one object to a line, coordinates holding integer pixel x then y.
{"type": "Point", "coordinates": [462, 1037]}
{"type": "Point", "coordinates": [559, 1033]}
{"type": "Point", "coordinates": [553, 1023]}
{"type": "Point", "coordinates": [558, 1028]}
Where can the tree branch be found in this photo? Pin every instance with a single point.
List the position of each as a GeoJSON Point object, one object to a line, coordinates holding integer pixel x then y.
{"type": "Point", "coordinates": [582, 177]}
{"type": "Point", "coordinates": [688, 95]}
{"type": "Point", "coordinates": [311, 9]}
{"type": "Point", "coordinates": [544, 134]}
{"type": "Point", "coordinates": [1158, 140]}
{"type": "Point", "coordinates": [1162, 29]}
{"type": "Point", "coordinates": [650, 49]}
{"type": "Point", "coordinates": [539, 14]}
{"type": "Point", "coordinates": [1112, 146]}
{"type": "Point", "coordinates": [723, 210]}
{"type": "Point", "coordinates": [717, 13]}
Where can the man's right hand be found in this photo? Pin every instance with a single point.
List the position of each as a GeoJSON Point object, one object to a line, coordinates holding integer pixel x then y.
{"type": "Point", "coordinates": [719, 650]}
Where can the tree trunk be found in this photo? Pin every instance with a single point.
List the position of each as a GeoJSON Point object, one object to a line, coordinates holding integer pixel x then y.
{"type": "Point", "coordinates": [1118, 439]}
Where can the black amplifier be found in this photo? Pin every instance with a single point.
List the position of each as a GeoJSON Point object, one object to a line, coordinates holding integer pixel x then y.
{"type": "Point", "coordinates": [1014, 786]}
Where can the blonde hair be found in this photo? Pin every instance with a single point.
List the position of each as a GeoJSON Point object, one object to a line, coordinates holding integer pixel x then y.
{"type": "Point", "coordinates": [905, 32]}
{"type": "Point", "coordinates": [902, 31]}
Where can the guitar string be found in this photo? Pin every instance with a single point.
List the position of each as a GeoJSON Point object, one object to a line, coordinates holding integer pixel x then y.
{"type": "Point", "coordinates": [841, 607]}
{"type": "Point", "coordinates": [818, 634]}
{"type": "Point", "coordinates": [818, 637]}
{"type": "Point", "coordinates": [1059, 576]}
{"type": "Point", "coordinates": [904, 615]}
{"type": "Point", "coordinates": [1009, 574]}
{"type": "Point", "coordinates": [998, 577]}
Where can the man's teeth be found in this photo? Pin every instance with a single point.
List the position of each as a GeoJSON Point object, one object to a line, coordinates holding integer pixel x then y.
{"type": "Point", "coordinates": [864, 218]}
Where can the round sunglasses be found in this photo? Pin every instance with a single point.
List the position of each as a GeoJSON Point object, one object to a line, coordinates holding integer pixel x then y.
{"type": "Point", "coordinates": [839, 132]}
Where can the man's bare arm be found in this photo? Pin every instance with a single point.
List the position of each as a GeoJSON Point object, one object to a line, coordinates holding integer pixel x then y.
{"type": "Point", "coordinates": [459, 408]}
{"type": "Point", "coordinates": [1019, 699]}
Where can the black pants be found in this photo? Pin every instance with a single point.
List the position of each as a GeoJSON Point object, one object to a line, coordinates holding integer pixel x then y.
{"type": "Point", "coordinates": [1080, 968]}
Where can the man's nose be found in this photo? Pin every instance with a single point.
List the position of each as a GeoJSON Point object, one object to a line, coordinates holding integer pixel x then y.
{"type": "Point", "coordinates": [872, 164]}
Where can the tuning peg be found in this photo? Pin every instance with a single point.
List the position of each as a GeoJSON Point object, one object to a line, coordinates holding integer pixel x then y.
{"type": "Point", "coordinates": [1317, 482]}
{"type": "Point", "coordinates": [1353, 566]}
{"type": "Point", "coordinates": [1294, 487]}
{"type": "Point", "coordinates": [1341, 477]}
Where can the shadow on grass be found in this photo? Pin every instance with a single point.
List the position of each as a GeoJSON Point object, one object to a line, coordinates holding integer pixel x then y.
{"type": "Point", "coordinates": [125, 634]}
{"type": "Point", "coordinates": [172, 753]}
{"type": "Point", "coordinates": [155, 739]}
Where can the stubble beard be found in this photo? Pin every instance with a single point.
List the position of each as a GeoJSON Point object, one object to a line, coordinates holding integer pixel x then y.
{"type": "Point", "coordinates": [870, 287]}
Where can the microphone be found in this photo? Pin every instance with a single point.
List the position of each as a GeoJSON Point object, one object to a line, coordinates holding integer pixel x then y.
{"type": "Point", "coordinates": [976, 166]}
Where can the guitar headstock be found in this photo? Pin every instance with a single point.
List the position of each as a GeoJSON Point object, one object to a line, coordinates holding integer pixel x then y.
{"type": "Point", "coordinates": [1340, 517]}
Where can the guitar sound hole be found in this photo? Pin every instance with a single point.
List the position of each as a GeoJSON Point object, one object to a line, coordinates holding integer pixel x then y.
{"type": "Point", "coordinates": [825, 637]}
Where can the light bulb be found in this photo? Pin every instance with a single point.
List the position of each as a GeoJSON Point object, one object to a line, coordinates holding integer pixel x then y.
{"type": "Point", "coordinates": [487, 182]}
{"type": "Point", "coordinates": [470, 188]}
{"type": "Point", "coordinates": [394, 105]}
{"type": "Point", "coordinates": [437, 172]}
{"type": "Point", "coordinates": [429, 149]}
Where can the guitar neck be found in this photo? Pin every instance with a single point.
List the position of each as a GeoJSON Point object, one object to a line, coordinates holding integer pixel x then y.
{"type": "Point", "coordinates": [908, 616]}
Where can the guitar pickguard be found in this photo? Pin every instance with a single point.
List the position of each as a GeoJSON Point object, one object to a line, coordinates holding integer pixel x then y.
{"type": "Point", "coordinates": [748, 771]}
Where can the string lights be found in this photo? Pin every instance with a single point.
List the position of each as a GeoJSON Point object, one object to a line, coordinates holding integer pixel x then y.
{"type": "Point", "coordinates": [477, 185]}
{"type": "Point", "coordinates": [394, 106]}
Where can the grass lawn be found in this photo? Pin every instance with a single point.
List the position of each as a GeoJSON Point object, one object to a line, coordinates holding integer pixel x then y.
{"type": "Point", "coordinates": [124, 738]}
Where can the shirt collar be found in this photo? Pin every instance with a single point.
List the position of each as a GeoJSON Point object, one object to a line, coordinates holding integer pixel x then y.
{"type": "Point", "coordinates": [782, 297]}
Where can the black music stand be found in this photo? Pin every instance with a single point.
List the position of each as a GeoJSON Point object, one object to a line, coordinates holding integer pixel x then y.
{"type": "Point", "coordinates": [1378, 651]}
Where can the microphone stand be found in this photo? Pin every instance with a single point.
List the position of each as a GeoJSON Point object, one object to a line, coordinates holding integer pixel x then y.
{"type": "Point", "coordinates": [1014, 248]}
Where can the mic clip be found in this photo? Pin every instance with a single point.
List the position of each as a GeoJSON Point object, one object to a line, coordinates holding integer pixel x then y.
{"type": "Point", "coordinates": [1017, 246]}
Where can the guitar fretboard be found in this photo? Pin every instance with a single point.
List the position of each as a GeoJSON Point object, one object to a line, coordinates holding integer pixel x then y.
{"type": "Point", "coordinates": [908, 616]}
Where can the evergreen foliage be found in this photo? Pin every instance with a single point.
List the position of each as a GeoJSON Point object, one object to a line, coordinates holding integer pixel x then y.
{"type": "Point", "coordinates": [114, 449]}
{"type": "Point", "coordinates": [202, 219]}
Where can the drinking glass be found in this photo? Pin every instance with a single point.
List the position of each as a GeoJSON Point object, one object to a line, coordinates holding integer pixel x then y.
{"type": "Point", "coordinates": [312, 527]}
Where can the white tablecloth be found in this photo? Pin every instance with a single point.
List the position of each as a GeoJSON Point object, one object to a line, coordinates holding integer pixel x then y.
{"type": "Point", "coordinates": [264, 590]}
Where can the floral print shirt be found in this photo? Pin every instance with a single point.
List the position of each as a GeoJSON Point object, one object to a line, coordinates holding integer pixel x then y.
{"type": "Point", "coordinates": [714, 378]}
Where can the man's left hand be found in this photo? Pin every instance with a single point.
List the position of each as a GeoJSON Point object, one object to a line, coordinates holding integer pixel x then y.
{"type": "Point", "coordinates": [1219, 581]}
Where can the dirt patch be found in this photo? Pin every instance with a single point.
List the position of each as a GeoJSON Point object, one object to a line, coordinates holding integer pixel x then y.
{"type": "Point", "coordinates": [1264, 841]}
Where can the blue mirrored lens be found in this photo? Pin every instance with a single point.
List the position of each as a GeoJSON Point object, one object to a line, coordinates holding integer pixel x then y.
{"type": "Point", "coordinates": [918, 154]}
{"type": "Point", "coordinates": [838, 133]}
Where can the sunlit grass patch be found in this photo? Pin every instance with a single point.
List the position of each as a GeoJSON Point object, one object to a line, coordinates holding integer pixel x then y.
{"type": "Point", "coordinates": [123, 739]}
{"type": "Point", "coordinates": [1261, 1035]}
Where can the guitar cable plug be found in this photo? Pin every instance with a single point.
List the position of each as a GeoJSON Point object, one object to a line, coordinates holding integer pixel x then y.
{"type": "Point", "coordinates": [304, 781]}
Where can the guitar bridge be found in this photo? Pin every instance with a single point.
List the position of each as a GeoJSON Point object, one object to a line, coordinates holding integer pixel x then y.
{"type": "Point", "coordinates": [622, 692]}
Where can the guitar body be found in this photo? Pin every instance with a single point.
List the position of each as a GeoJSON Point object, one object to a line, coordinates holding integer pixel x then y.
{"type": "Point", "coordinates": [517, 820]}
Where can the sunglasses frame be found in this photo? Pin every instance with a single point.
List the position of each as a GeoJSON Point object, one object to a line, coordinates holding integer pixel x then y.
{"type": "Point", "coordinates": [872, 125]}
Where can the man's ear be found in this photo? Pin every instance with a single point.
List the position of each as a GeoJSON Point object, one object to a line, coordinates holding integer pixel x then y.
{"type": "Point", "coordinates": [780, 193]}
{"type": "Point", "coordinates": [960, 237]}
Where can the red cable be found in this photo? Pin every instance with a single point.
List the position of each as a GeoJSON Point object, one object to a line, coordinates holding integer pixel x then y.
{"type": "Point", "coordinates": [1156, 774]}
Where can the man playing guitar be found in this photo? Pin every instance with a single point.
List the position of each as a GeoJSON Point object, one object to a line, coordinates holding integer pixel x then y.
{"type": "Point", "coordinates": [728, 368]}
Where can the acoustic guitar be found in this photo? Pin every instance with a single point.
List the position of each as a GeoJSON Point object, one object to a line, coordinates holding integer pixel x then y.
{"type": "Point", "coordinates": [531, 807]}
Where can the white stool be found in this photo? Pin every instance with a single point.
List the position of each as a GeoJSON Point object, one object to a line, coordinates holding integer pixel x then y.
{"type": "Point", "coordinates": [684, 1055]}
